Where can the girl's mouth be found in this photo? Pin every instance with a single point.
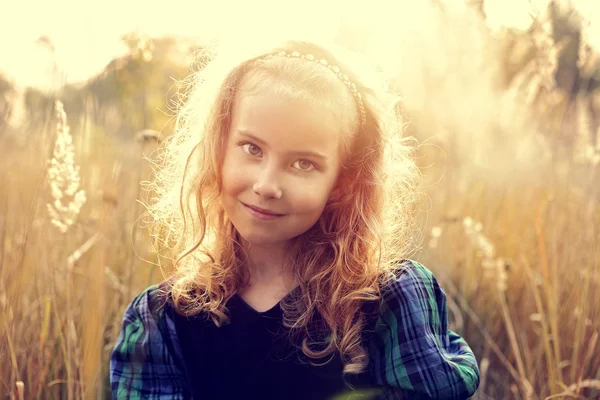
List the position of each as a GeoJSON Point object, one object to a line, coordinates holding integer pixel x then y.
{"type": "Point", "coordinates": [261, 214]}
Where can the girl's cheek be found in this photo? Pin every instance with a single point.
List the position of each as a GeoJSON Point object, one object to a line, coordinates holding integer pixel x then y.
{"type": "Point", "coordinates": [244, 173]}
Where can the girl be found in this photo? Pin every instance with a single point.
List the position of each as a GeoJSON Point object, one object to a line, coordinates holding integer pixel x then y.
{"type": "Point", "coordinates": [285, 198]}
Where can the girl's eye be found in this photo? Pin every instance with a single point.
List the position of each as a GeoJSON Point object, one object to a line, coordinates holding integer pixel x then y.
{"type": "Point", "coordinates": [305, 165]}
{"type": "Point", "coordinates": [251, 149]}
{"type": "Point", "coordinates": [255, 151]}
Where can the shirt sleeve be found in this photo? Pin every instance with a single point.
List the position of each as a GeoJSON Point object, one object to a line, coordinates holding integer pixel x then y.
{"type": "Point", "coordinates": [414, 354]}
{"type": "Point", "coordinates": [143, 364]}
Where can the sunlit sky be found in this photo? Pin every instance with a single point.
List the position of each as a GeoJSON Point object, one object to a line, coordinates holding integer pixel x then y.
{"type": "Point", "coordinates": [86, 35]}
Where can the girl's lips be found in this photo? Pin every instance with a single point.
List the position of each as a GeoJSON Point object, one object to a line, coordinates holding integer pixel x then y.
{"type": "Point", "coordinates": [261, 215]}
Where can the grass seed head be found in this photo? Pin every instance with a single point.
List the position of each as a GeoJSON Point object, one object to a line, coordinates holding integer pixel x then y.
{"type": "Point", "coordinates": [64, 178]}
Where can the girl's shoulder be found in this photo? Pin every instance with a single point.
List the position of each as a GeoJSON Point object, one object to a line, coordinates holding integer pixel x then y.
{"type": "Point", "coordinates": [151, 310]}
{"type": "Point", "coordinates": [152, 302]}
{"type": "Point", "coordinates": [409, 295]}
{"type": "Point", "coordinates": [146, 360]}
{"type": "Point", "coordinates": [409, 274]}
{"type": "Point", "coordinates": [412, 286]}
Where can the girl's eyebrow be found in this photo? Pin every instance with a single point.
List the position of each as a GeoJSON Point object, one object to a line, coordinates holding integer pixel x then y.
{"type": "Point", "coordinates": [249, 135]}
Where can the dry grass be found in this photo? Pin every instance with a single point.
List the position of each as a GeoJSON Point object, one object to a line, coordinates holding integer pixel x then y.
{"type": "Point", "coordinates": [515, 221]}
{"type": "Point", "coordinates": [63, 291]}
{"type": "Point", "coordinates": [514, 236]}
{"type": "Point", "coordinates": [533, 315]}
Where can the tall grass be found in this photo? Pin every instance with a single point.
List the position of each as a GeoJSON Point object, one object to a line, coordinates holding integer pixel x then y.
{"type": "Point", "coordinates": [67, 274]}
{"type": "Point", "coordinates": [532, 310]}
{"type": "Point", "coordinates": [514, 209]}
{"type": "Point", "coordinates": [514, 225]}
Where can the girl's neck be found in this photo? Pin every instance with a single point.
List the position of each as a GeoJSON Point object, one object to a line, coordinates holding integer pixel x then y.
{"type": "Point", "coordinates": [268, 263]}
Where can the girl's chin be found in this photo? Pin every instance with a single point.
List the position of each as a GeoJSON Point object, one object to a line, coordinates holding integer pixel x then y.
{"type": "Point", "coordinates": [262, 239]}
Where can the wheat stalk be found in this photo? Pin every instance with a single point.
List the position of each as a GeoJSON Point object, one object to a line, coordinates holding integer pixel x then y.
{"type": "Point", "coordinates": [64, 177]}
{"type": "Point", "coordinates": [68, 199]}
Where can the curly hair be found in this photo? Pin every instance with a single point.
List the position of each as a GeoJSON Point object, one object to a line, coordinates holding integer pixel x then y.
{"type": "Point", "coordinates": [347, 256]}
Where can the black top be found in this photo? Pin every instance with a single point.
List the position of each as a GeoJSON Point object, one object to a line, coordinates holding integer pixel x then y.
{"type": "Point", "coordinates": [254, 358]}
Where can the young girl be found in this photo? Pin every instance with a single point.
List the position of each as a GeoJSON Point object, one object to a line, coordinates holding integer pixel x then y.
{"type": "Point", "coordinates": [285, 198]}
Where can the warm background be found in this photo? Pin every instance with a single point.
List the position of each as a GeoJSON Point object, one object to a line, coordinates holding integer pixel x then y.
{"type": "Point", "coordinates": [503, 95]}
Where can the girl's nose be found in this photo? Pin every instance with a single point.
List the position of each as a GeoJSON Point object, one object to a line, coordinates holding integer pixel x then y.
{"type": "Point", "coordinates": [267, 185]}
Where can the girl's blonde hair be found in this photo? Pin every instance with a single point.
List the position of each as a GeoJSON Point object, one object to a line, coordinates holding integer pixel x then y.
{"type": "Point", "coordinates": [354, 248]}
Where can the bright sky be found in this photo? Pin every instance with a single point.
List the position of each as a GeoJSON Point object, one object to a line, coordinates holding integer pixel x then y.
{"type": "Point", "coordinates": [86, 34]}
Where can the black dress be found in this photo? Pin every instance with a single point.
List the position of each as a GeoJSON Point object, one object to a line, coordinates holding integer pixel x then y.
{"type": "Point", "coordinates": [253, 357]}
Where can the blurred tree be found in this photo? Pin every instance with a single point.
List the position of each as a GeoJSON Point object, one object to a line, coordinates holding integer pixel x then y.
{"type": "Point", "coordinates": [7, 95]}
{"type": "Point", "coordinates": [131, 93]}
{"type": "Point", "coordinates": [578, 75]}
{"type": "Point", "coordinates": [517, 51]}
{"type": "Point", "coordinates": [45, 42]}
{"type": "Point", "coordinates": [567, 25]}
{"type": "Point", "coordinates": [39, 107]}
{"type": "Point", "coordinates": [566, 28]}
{"type": "Point", "coordinates": [557, 74]}
{"type": "Point", "coordinates": [138, 82]}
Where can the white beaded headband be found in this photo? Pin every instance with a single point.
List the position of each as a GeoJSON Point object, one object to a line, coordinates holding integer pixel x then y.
{"type": "Point", "coordinates": [335, 69]}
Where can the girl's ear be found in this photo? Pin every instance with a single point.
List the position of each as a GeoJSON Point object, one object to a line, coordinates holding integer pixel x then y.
{"type": "Point", "coordinates": [335, 194]}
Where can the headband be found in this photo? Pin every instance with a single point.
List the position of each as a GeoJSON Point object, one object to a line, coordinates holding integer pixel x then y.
{"type": "Point", "coordinates": [335, 69]}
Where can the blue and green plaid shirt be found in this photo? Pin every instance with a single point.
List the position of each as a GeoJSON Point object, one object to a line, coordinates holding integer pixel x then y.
{"type": "Point", "coordinates": [413, 354]}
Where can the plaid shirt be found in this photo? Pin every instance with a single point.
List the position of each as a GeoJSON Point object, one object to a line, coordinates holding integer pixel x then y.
{"type": "Point", "coordinates": [413, 354]}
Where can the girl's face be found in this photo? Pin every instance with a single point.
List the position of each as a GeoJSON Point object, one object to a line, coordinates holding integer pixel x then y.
{"type": "Point", "coordinates": [282, 157]}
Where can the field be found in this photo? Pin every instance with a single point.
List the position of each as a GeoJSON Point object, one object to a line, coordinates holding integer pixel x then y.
{"type": "Point", "coordinates": [509, 126]}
